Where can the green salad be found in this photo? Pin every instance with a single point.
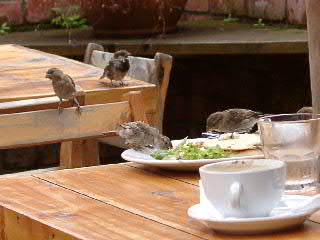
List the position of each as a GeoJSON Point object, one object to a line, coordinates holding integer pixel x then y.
{"type": "Point", "coordinates": [190, 151]}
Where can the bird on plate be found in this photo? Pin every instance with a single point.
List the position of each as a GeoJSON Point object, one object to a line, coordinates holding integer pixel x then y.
{"type": "Point", "coordinates": [305, 110]}
{"type": "Point", "coordinates": [117, 67]}
{"type": "Point", "coordinates": [233, 120]}
{"type": "Point", "coordinates": [140, 136]}
{"type": "Point", "coordinates": [63, 86]}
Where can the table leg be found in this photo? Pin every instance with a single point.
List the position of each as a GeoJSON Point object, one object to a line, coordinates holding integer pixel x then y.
{"type": "Point", "coordinates": [81, 153]}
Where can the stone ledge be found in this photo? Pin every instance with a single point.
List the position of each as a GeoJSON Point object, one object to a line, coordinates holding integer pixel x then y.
{"type": "Point", "coordinates": [192, 38]}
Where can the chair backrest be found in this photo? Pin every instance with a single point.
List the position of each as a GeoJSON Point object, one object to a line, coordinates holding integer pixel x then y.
{"type": "Point", "coordinates": [156, 71]}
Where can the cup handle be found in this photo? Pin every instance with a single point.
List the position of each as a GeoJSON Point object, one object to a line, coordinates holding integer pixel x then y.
{"type": "Point", "coordinates": [235, 192]}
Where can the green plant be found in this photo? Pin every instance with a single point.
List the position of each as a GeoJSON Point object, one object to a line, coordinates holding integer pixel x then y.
{"type": "Point", "coordinates": [68, 18]}
{"type": "Point", "coordinates": [4, 29]}
{"type": "Point", "coordinates": [259, 23]}
{"type": "Point", "coordinates": [230, 19]}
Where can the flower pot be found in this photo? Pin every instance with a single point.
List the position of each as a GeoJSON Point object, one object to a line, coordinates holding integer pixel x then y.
{"type": "Point", "coordinates": [133, 17]}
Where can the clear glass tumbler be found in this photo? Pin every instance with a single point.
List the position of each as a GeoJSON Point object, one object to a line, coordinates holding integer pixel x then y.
{"type": "Point", "coordinates": [295, 139]}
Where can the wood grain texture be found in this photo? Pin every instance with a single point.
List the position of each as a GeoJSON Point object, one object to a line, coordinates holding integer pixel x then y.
{"type": "Point", "coordinates": [156, 71]}
{"type": "Point", "coordinates": [24, 88]}
{"type": "Point", "coordinates": [81, 153]}
{"type": "Point", "coordinates": [187, 177]}
{"type": "Point", "coordinates": [137, 105]}
{"type": "Point", "coordinates": [153, 196]}
{"type": "Point", "coordinates": [33, 209]}
{"type": "Point", "coordinates": [50, 126]}
{"type": "Point", "coordinates": [32, 105]}
{"type": "Point", "coordinates": [22, 74]}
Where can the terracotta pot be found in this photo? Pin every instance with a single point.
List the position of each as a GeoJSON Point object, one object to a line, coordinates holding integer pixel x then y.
{"type": "Point", "coordinates": [133, 17]}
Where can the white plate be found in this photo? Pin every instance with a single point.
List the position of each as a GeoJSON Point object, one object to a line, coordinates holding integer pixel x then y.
{"type": "Point", "coordinates": [279, 219]}
{"type": "Point", "coordinates": [180, 165]}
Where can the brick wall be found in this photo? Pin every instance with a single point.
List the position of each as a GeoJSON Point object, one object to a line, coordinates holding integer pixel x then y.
{"type": "Point", "coordinates": [292, 11]}
{"type": "Point", "coordinates": [29, 11]}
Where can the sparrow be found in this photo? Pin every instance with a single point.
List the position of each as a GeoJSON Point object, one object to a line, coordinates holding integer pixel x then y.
{"type": "Point", "coordinates": [305, 110]}
{"type": "Point", "coordinates": [140, 136]}
{"type": "Point", "coordinates": [233, 120]}
{"type": "Point", "coordinates": [63, 86]}
{"type": "Point", "coordinates": [117, 67]}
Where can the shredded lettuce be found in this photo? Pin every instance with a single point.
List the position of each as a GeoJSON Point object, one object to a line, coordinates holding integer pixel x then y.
{"type": "Point", "coordinates": [190, 151]}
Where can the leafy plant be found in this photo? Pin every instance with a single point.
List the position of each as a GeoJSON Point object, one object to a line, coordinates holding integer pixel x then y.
{"type": "Point", "coordinates": [259, 23]}
{"type": "Point", "coordinates": [68, 18]}
{"type": "Point", "coordinates": [230, 19]}
{"type": "Point", "coordinates": [4, 29]}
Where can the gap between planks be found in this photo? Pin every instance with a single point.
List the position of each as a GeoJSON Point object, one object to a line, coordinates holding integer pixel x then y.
{"type": "Point", "coordinates": [123, 208]}
{"type": "Point", "coordinates": [162, 173]}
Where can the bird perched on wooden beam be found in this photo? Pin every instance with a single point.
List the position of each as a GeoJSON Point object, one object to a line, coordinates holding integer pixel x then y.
{"type": "Point", "coordinates": [117, 67]}
{"type": "Point", "coordinates": [141, 136]}
{"type": "Point", "coordinates": [233, 120]}
{"type": "Point", "coordinates": [63, 86]}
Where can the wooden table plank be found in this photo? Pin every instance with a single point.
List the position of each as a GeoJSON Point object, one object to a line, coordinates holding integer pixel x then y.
{"type": "Point", "coordinates": [152, 196]}
{"type": "Point", "coordinates": [22, 75]}
{"type": "Point", "coordinates": [35, 209]}
{"type": "Point", "coordinates": [187, 177]}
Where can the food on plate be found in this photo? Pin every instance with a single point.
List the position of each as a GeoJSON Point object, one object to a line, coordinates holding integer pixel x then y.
{"type": "Point", "coordinates": [190, 151]}
{"type": "Point", "coordinates": [239, 143]}
{"type": "Point", "coordinates": [225, 146]}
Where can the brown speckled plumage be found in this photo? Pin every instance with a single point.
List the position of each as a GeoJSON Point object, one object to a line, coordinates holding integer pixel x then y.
{"type": "Point", "coordinates": [233, 120]}
{"type": "Point", "coordinates": [63, 86]}
{"type": "Point", "coordinates": [117, 67]}
{"type": "Point", "coordinates": [141, 136]}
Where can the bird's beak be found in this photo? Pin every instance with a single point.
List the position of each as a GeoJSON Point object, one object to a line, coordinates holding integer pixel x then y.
{"type": "Point", "coordinates": [48, 75]}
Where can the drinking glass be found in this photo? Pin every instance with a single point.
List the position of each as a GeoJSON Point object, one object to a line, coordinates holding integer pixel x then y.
{"type": "Point", "coordinates": [295, 139]}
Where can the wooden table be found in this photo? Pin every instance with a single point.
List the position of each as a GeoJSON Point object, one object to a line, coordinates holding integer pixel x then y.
{"type": "Point", "coordinates": [23, 88]}
{"type": "Point", "coordinates": [22, 76]}
{"type": "Point", "coordinates": [124, 201]}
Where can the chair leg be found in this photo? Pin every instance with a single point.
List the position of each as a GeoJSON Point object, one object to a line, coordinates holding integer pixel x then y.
{"type": "Point", "coordinates": [82, 153]}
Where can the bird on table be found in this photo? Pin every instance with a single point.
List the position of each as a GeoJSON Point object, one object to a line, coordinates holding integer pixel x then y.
{"type": "Point", "coordinates": [117, 67]}
{"type": "Point", "coordinates": [233, 121]}
{"type": "Point", "coordinates": [140, 136]}
{"type": "Point", "coordinates": [63, 86]}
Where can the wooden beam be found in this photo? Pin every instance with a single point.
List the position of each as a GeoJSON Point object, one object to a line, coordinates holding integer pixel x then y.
{"type": "Point", "coordinates": [137, 105]}
{"type": "Point", "coordinates": [82, 153]}
{"type": "Point", "coordinates": [49, 126]}
{"type": "Point", "coordinates": [32, 105]}
{"type": "Point", "coordinates": [313, 20]}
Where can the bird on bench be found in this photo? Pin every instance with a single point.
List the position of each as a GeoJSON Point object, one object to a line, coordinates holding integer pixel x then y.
{"type": "Point", "coordinates": [64, 87]}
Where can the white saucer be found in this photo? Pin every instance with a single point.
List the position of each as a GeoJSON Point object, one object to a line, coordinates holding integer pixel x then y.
{"type": "Point", "coordinates": [280, 218]}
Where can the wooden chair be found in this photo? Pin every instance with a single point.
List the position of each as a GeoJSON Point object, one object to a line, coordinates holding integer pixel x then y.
{"type": "Point", "coordinates": [21, 125]}
{"type": "Point", "coordinates": [156, 71]}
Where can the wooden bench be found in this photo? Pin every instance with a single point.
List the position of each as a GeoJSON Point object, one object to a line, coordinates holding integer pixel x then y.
{"type": "Point", "coordinates": [22, 126]}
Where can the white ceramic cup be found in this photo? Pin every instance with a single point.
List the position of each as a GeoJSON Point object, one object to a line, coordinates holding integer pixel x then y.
{"type": "Point", "coordinates": [252, 192]}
